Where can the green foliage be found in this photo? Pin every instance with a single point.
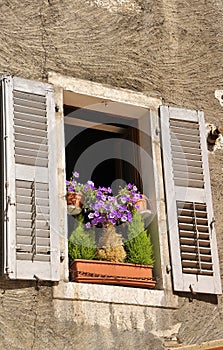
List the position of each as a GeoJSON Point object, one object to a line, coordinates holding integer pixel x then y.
{"type": "Point", "coordinates": [138, 247]}
{"type": "Point", "coordinates": [81, 244]}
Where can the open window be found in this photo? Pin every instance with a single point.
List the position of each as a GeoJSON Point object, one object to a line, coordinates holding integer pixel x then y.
{"type": "Point", "coordinates": [109, 143]}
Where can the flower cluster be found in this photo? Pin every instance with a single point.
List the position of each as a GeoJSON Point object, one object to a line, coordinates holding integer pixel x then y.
{"type": "Point", "coordinates": [72, 185]}
{"type": "Point", "coordinates": [101, 207]}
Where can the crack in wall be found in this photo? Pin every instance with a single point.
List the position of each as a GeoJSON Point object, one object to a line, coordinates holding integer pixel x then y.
{"type": "Point", "coordinates": [43, 37]}
{"type": "Point", "coordinates": [34, 309]}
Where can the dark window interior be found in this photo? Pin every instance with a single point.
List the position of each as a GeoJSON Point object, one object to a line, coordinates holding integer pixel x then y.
{"type": "Point", "coordinates": [122, 165]}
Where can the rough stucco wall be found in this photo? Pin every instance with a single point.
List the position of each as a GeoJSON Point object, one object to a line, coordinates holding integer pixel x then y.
{"type": "Point", "coordinates": [170, 49]}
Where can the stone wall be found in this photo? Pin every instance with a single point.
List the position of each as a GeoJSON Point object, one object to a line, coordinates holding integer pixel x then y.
{"type": "Point", "coordinates": [170, 49]}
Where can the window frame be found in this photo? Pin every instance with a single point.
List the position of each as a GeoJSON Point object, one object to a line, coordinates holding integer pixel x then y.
{"type": "Point", "coordinates": [95, 90]}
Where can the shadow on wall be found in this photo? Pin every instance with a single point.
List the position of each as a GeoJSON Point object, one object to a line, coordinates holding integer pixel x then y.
{"type": "Point", "coordinates": [207, 298]}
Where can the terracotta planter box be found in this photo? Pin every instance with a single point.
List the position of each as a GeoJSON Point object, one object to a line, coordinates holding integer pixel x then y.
{"type": "Point", "coordinates": [106, 272]}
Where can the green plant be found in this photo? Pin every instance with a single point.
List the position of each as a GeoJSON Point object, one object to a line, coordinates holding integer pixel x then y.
{"type": "Point", "coordinates": [81, 244]}
{"type": "Point", "coordinates": [138, 246]}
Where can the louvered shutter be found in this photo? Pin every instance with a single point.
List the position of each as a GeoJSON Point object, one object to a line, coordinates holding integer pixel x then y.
{"type": "Point", "coordinates": [192, 237]}
{"type": "Point", "coordinates": [31, 237]}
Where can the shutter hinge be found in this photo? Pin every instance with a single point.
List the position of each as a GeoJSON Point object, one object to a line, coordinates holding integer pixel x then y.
{"type": "Point", "coordinates": [157, 131]}
{"type": "Point", "coordinates": [62, 257]}
{"type": "Point", "coordinates": [168, 268]}
{"type": "Point", "coordinates": [38, 282]}
{"type": "Point", "coordinates": [212, 223]}
{"type": "Point", "coordinates": [10, 202]}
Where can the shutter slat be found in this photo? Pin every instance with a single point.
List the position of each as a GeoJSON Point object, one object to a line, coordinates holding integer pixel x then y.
{"type": "Point", "coordinates": [24, 231]}
{"type": "Point", "coordinates": [188, 182]}
{"type": "Point", "coordinates": [31, 161]}
{"type": "Point", "coordinates": [189, 169]}
{"type": "Point", "coordinates": [31, 145]}
{"type": "Point", "coordinates": [24, 208]}
{"type": "Point", "coordinates": [31, 152]}
{"type": "Point", "coordinates": [30, 257]}
{"type": "Point", "coordinates": [185, 143]}
{"type": "Point", "coordinates": [30, 117]}
{"type": "Point", "coordinates": [30, 138]}
{"type": "Point", "coordinates": [183, 149]}
{"type": "Point", "coordinates": [189, 174]}
{"type": "Point", "coordinates": [30, 124]}
{"type": "Point", "coordinates": [187, 162]}
{"type": "Point", "coordinates": [187, 241]}
{"type": "Point", "coordinates": [30, 110]}
{"type": "Point", "coordinates": [30, 131]}
{"type": "Point", "coordinates": [178, 131]}
{"type": "Point", "coordinates": [28, 248]}
{"type": "Point", "coordinates": [24, 240]}
{"type": "Point", "coordinates": [189, 156]}
{"type": "Point", "coordinates": [30, 97]}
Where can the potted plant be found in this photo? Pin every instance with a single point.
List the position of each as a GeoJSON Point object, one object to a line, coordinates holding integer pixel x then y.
{"type": "Point", "coordinates": [102, 215]}
{"type": "Point", "coordinates": [74, 195]}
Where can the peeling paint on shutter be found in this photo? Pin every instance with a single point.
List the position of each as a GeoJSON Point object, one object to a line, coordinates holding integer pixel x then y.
{"type": "Point", "coordinates": [31, 199]}
{"type": "Point", "coordinates": [192, 236]}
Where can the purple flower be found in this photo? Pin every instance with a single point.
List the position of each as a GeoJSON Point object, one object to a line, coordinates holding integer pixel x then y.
{"type": "Point", "coordinates": [124, 218]}
{"type": "Point", "coordinates": [97, 206]}
{"type": "Point", "coordinates": [99, 194]}
{"type": "Point", "coordinates": [107, 206]}
{"type": "Point", "coordinates": [91, 185]}
{"type": "Point", "coordinates": [112, 221]}
{"type": "Point", "coordinates": [122, 208]}
{"type": "Point", "coordinates": [101, 206]}
{"type": "Point", "coordinates": [70, 189]}
{"type": "Point", "coordinates": [118, 215]}
{"type": "Point", "coordinates": [109, 190]}
{"type": "Point", "coordinates": [123, 199]}
{"type": "Point", "coordinates": [104, 189]}
{"type": "Point", "coordinates": [95, 221]}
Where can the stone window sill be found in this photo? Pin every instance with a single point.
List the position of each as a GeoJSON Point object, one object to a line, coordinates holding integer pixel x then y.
{"type": "Point", "coordinates": [114, 294]}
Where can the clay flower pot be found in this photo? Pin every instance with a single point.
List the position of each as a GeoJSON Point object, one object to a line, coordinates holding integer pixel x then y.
{"type": "Point", "coordinates": [107, 272]}
{"type": "Point", "coordinates": [142, 203]}
{"type": "Point", "coordinates": [74, 202]}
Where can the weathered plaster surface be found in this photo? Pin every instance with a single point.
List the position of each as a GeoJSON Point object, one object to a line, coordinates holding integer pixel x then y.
{"type": "Point", "coordinates": [163, 49]}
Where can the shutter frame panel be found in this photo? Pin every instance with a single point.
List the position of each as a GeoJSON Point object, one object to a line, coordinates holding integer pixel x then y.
{"type": "Point", "coordinates": [32, 184]}
{"type": "Point", "coordinates": [193, 253]}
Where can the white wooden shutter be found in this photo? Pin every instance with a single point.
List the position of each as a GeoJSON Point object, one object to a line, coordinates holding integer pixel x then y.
{"type": "Point", "coordinates": [31, 236]}
{"type": "Point", "coordinates": [192, 236]}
